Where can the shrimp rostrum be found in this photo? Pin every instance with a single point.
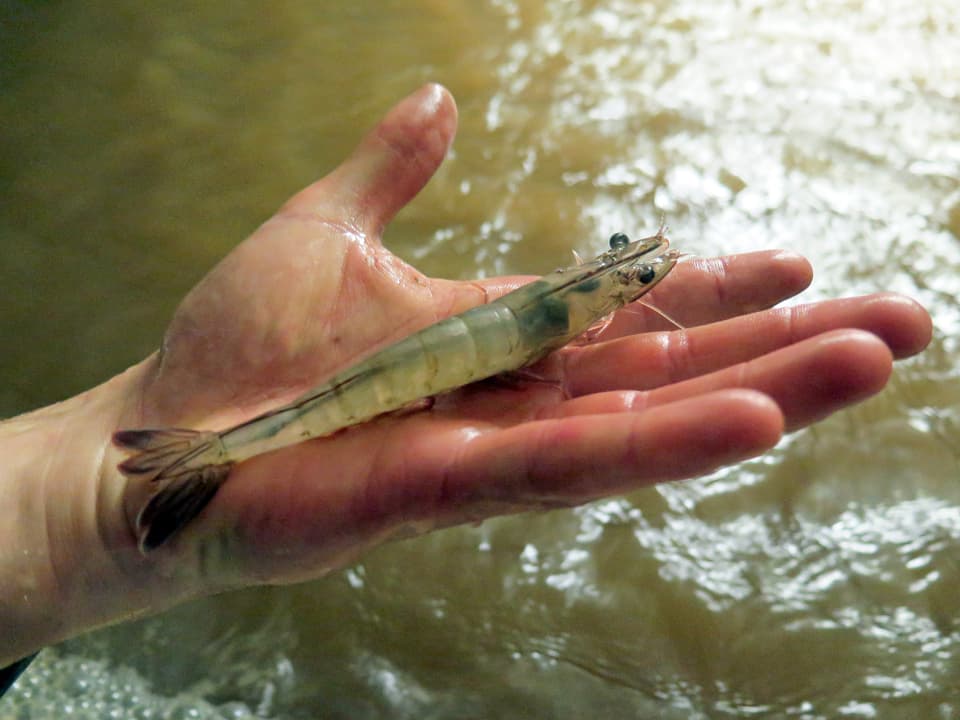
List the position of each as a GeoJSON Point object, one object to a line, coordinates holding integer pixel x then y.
{"type": "Point", "coordinates": [187, 467]}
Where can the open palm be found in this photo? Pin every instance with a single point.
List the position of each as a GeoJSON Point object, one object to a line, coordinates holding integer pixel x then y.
{"type": "Point", "coordinates": [313, 290]}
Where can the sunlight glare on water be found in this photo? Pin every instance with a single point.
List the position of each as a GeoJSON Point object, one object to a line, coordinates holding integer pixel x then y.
{"type": "Point", "coordinates": [818, 581]}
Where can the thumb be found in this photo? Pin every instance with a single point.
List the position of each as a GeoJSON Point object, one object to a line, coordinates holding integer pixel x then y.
{"type": "Point", "coordinates": [389, 166]}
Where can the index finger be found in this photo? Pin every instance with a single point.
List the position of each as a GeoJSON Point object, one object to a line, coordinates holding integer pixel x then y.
{"type": "Point", "coordinates": [700, 291]}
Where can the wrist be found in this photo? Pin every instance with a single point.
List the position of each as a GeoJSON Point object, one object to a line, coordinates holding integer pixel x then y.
{"type": "Point", "coordinates": [68, 559]}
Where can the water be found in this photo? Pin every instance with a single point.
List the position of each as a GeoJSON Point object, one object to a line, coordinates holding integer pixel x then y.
{"type": "Point", "coordinates": [139, 145]}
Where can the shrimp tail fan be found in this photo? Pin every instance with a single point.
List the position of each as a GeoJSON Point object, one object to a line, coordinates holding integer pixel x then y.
{"type": "Point", "coordinates": [186, 469]}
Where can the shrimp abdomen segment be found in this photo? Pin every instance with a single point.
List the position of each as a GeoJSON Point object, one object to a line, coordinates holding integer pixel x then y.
{"type": "Point", "coordinates": [451, 353]}
{"type": "Point", "coordinates": [454, 352]}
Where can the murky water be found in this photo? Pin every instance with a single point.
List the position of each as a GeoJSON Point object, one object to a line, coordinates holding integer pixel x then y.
{"type": "Point", "coordinates": [139, 145]}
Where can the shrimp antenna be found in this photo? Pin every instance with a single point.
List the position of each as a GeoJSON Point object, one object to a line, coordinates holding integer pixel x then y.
{"type": "Point", "coordinates": [659, 312]}
{"type": "Point", "coordinates": [662, 230]}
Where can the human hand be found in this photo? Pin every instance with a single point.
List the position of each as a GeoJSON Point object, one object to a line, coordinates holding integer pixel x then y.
{"type": "Point", "coordinates": [313, 290]}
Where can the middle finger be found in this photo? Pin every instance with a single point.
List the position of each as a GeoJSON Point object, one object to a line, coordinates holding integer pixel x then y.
{"type": "Point", "coordinates": [643, 362]}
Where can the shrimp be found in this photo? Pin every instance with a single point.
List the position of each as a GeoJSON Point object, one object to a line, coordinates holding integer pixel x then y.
{"type": "Point", "coordinates": [187, 467]}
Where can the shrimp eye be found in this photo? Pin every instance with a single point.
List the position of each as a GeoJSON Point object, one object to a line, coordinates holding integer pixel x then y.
{"type": "Point", "coordinates": [646, 274]}
{"type": "Point", "coordinates": [618, 241]}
